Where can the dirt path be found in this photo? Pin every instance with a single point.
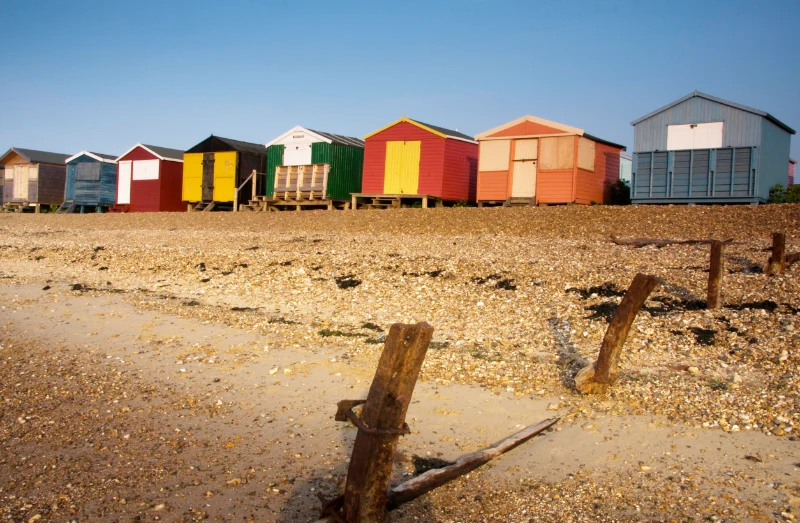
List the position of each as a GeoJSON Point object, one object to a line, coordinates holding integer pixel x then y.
{"type": "Point", "coordinates": [112, 412]}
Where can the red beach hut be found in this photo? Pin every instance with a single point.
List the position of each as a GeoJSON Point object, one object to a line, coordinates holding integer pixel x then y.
{"type": "Point", "coordinates": [150, 179]}
{"type": "Point", "coordinates": [409, 159]}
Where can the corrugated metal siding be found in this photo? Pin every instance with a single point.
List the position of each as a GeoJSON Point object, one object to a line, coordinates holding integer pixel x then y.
{"type": "Point", "coordinates": [625, 169]}
{"type": "Point", "coordinates": [431, 158]}
{"type": "Point", "coordinates": [275, 159]}
{"type": "Point", "coordinates": [789, 180]}
{"type": "Point", "coordinates": [741, 128]}
{"type": "Point", "coordinates": [346, 163]}
{"type": "Point", "coordinates": [460, 180]}
{"type": "Point", "coordinates": [697, 175]}
{"type": "Point", "coordinates": [773, 157]}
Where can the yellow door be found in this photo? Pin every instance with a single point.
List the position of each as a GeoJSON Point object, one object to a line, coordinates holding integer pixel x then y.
{"type": "Point", "coordinates": [224, 176]}
{"type": "Point", "coordinates": [401, 174]}
{"type": "Point", "coordinates": [193, 177]}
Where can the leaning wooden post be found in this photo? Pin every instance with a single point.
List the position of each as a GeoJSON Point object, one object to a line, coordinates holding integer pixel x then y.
{"type": "Point", "coordinates": [777, 261]}
{"type": "Point", "coordinates": [370, 469]}
{"type": "Point", "coordinates": [715, 271]}
{"type": "Point", "coordinates": [595, 378]}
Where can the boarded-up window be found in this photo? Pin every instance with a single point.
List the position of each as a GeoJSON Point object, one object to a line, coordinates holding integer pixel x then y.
{"type": "Point", "coordinates": [694, 136]}
{"type": "Point", "coordinates": [526, 149]}
{"type": "Point", "coordinates": [145, 170]}
{"type": "Point", "coordinates": [494, 155]}
{"type": "Point", "coordinates": [586, 154]}
{"type": "Point", "coordinates": [557, 153]}
{"type": "Point", "coordinates": [88, 171]}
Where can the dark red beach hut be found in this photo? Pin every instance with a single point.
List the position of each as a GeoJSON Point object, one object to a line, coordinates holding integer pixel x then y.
{"type": "Point", "coordinates": [150, 179]}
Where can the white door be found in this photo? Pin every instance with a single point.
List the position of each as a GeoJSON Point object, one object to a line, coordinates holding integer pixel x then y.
{"type": "Point", "coordinates": [524, 179]}
{"type": "Point", "coordinates": [124, 183]}
{"type": "Point", "coordinates": [21, 182]}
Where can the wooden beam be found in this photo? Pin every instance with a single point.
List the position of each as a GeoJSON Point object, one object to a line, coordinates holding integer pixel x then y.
{"type": "Point", "coordinates": [595, 378]}
{"type": "Point", "coordinates": [389, 395]}
{"type": "Point", "coordinates": [424, 483]}
{"type": "Point", "coordinates": [777, 260]}
{"type": "Point", "coordinates": [661, 242]}
{"type": "Point", "coordinates": [715, 272]}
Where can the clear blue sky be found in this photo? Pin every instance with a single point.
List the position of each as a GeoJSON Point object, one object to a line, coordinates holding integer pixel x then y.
{"type": "Point", "coordinates": [103, 75]}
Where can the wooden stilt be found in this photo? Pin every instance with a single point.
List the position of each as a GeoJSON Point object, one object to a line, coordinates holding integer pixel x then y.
{"type": "Point", "coordinates": [715, 272]}
{"type": "Point", "coordinates": [596, 377]}
{"type": "Point", "coordinates": [777, 261]}
{"type": "Point", "coordinates": [385, 410]}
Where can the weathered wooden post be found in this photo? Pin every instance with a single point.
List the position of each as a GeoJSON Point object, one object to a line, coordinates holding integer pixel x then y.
{"type": "Point", "coordinates": [715, 272]}
{"type": "Point", "coordinates": [777, 261]}
{"type": "Point", "coordinates": [595, 378]}
{"type": "Point", "coordinates": [255, 183]}
{"type": "Point", "coordinates": [383, 421]}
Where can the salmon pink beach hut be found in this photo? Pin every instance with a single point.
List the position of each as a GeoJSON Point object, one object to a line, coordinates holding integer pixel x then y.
{"type": "Point", "coordinates": [150, 179]}
{"type": "Point", "coordinates": [411, 160]}
{"type": "Point", "coordinates": [531, 160]}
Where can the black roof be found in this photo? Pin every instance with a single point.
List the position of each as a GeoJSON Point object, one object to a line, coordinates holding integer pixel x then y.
{"type": "Point", "coordinates": [105, 156]}
{"type": "Point", "coordinates": [217, 144]}
{"type": "Point", "coordinates": [341, 140]}
{"type": "Point", "coordinates": [445, 131]}
{"type": "Point", "coordinates": [165, 152]}
{"type": "Point", "coordinates": [35, 156]}
{"type": "Point", "coordinates": [600, 140]}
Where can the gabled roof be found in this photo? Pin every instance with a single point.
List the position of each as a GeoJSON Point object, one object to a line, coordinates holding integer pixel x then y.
{"type": "Point", "coordinates": [34, 156]}
{"type": "Point", "coordinates": [528, 118]}
{"type": "Point", "coordinates": [218, 143]}
{"type": "Point", "coordinates": [162, 153]}
{"type": "Point", "coordinates": [107, 158]}
{"type": "Point", "coordinates": [435, 129]}
{"type": "Point", "coordinates": [546, 123]}
{"type": "Point", "coordinates": [321, 136]}
{"type": "Point", "coordinates": [698, 94]}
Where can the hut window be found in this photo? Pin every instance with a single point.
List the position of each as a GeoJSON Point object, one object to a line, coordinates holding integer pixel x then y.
{"type": "Point", "coordinates": [586, 154]}
{"type": "Point", "coordinates": [494, 155]}
{"type": "Point", "coordinates": [145, 170]}
{"type": "Point", "coordinates": [526, 149]}
{"type": "Point", "coordinates": [88, 172]}
{"type": "Point", "coordinates": [557, 153]}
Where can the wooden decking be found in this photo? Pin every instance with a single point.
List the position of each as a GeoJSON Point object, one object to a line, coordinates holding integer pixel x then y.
{"type": "Point", "coordinates": [392, 201]}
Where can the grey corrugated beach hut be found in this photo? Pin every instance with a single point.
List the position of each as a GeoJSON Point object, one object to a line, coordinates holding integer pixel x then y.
{"type": "Point", "coordinates": [703, 149]}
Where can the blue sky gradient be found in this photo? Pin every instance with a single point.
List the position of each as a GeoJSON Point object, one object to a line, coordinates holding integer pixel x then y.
{"type": "Point", "coordinates": [103, 75]}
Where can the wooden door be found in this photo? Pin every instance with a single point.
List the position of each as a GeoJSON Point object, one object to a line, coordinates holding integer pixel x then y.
{"type": "Point", "coordinates": [401, 173]}
{"type": "Point", "coordinates": [524, 179]}
{"type": "Point", "coordinates": [21, 182]}
{"type": "Point", "coordinates": [208, 177]}
{"type": "Point", "coordinates": [124, 183]}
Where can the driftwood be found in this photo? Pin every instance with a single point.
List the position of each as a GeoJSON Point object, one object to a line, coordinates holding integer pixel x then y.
{"type": "Point", "coordinates": [424, 483]}
{"type": "Point", "coordinates": [715, 272]}
{"type": "Point", "coordinates": [383, 420]}
{"type": "Point", "coordinates": [662, 242]}
{"type": "Point", "coordinates": [596, 377]}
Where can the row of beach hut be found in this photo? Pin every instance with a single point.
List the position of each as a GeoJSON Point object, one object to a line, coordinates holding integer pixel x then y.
{"type": "Point", "coordinates": [698, 149]}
